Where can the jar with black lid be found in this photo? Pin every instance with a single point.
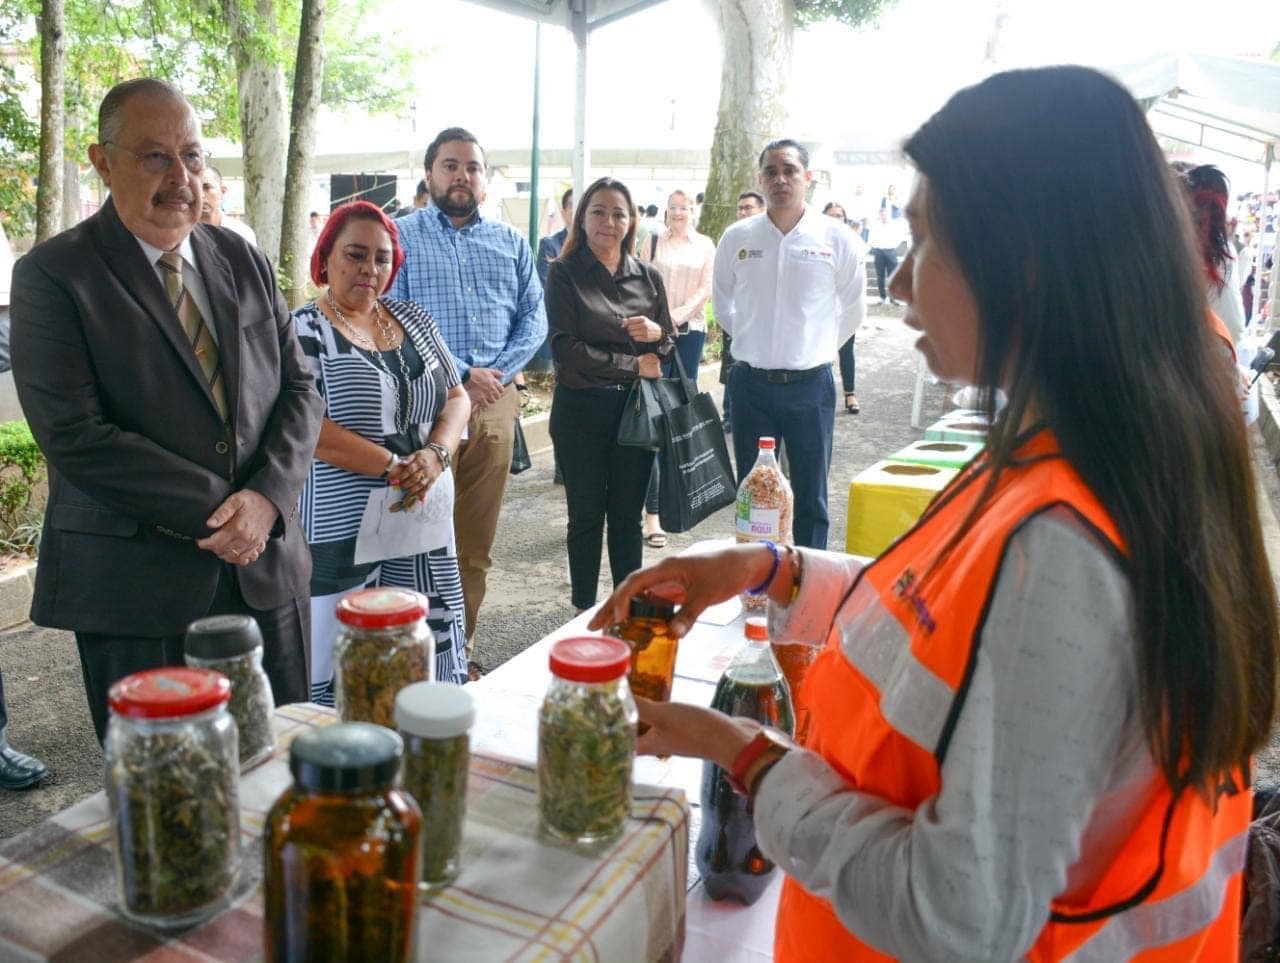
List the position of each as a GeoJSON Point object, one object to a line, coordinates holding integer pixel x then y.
{"type": "Point", "coordinates": [341, 851]}
{"type": "Point", "coordinates": [232, 645]}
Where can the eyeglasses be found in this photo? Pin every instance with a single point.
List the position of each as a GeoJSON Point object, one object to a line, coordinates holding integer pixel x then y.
{"type": "Point", "coordinates": [194, 159]}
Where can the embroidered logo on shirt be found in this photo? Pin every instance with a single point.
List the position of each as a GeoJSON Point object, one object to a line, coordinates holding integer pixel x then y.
{"type": "Point", "coordinates": [744, 254]}
{"type": "Point", "coordinates": [905, 589]}
{"type": "Point", "coordinates": [816, 254]}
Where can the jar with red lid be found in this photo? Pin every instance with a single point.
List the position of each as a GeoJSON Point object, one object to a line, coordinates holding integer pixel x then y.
{"type": "Point", "coordinates": [586, 741]}
{"type": "Point", "coordinates": [384, 645]}
{"type": "Point", "coordinates": [173, 786]}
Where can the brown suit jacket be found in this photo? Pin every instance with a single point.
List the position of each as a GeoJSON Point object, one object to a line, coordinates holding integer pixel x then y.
{"type": "Point", "coordinates": [137, 452]}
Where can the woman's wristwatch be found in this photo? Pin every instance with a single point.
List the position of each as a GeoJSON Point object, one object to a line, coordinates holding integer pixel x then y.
{"type": "Point", "coordinates": [442, 453]}
{"type": "Point", "coordinates": [756, 758]}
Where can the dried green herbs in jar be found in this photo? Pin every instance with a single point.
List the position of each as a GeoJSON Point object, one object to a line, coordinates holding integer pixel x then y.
{"type": "Point", "coordinates": [586, 741]}
{"type": "Point", "coordinates": [232, 645]}
{"type": "Point", "coordinates": [172, 783]}
{"type": "Point", "coordinates": [383, 646]}
{"type": "Point", "coordinates": [435, 720]}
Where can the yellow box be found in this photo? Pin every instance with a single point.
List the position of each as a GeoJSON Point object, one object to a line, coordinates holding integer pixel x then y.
{"type": "Point", "coordinates": [948, 454]}
{"type": "Point", "coordinates": [886, 499]}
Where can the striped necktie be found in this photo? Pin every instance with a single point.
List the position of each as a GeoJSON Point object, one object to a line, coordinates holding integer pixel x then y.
{"type": "Point", "coordinates": [202, 342]}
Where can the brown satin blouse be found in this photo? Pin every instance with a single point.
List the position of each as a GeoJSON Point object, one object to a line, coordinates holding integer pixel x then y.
{"type": "Point", "coordinates": [585, 308]}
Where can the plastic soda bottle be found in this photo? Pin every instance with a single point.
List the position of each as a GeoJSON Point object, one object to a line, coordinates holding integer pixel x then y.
{"type": "Point", "coordinates": [765, 505]}
{"type": "Point", "coordinates": [731, 864]}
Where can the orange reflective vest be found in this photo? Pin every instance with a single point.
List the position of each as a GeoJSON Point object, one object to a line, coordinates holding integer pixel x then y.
{"type": "Point", "coordinates": [882, 719]}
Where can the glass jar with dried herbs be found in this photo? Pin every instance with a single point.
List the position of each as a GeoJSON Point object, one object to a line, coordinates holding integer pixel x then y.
{"type": "Point", "coordinates": [653, 648]}
{"type": "Point", "coordinates": [384, 645]}
{"type": "Point", "coordinates": [173, 787]}
{"type": "Point", "coordinates": [586, 740]}
{"type": "Point", "coordinates": [341, 849]}
{"type": "Point", "coordinates": [232, 645]}
{"type": "Point", "coordinates": [435, 719]}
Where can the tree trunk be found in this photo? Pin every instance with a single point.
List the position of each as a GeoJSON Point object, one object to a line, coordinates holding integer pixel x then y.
{"type": "Point", "coordinates": [307, 83]}
{"type": "Point", "coordinates": [755, 70]}
{"type": "Point", "coordinates": [52, 111]}
{"type": "Point", "coordinates": [71, 211]}
{"type": "Point", "coordinates": [262, 119]}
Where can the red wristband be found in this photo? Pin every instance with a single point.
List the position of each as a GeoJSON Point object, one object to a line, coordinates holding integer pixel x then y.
{"type": "Point", "coordinates": [765, 740]}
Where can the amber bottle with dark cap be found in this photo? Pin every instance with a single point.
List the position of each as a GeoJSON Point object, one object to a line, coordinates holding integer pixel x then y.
{"type": "Point", "coordinates": [341, 851]}
{"type": "Point", "coordinates": [653, 648]}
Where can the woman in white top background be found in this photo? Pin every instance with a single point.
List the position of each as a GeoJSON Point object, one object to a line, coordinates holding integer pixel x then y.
{"type": "Point", "coordinates": [684, 258]}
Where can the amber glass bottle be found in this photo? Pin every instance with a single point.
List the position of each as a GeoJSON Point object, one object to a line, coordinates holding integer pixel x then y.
{"type": "Point", "coordinates": [341, 851]}
{"type": "Point", "coordinates": [653, 648]}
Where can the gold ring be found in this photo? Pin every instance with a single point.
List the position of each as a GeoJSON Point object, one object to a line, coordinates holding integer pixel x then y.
{"type": "Point", "coordinates": [422, 476]}
{"type": "Point", "coordinates": [235, 552]}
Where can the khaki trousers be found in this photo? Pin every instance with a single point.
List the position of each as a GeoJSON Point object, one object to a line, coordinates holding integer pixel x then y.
{"type": "Point", "coordinates": [480, 472]}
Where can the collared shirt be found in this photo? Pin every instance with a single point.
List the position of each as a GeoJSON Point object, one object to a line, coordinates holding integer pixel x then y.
{"type": "Point", "coordinates": [685, 265]}
{"type": "Point", "coordinates": [789, 300]}
{"type": "Point", "coordinates": [478, 282]}
{"type": "Point", "coordinates": [191, 280]}
{"type": "Point", "coordinates": [886, 235]}
{"type": "Point", "coordinates": [585, 308]}
{"type": "Point", "coordinates": [549, 249]}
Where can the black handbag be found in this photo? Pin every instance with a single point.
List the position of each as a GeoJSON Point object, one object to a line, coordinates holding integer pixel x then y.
{"type": "Point", "coordinates": [695, 475]}
{"type": "Point", "coordinates": [520, 460]}
{"type": "Point", "coordinates": [641, 426]}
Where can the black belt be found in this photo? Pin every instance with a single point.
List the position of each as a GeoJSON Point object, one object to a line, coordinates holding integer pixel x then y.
{"type": "Point", "coordinates": [783, 376]}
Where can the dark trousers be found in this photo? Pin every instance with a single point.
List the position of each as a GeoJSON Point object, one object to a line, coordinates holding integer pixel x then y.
{"type": "Point", "coordinates": [886, 264]}
{"type": "Point", "coordinates": [802, 415]}
{"type": "Point", "coordinates": [104, 659]}
{"type": "Point", "coordinates": [689, 347]}
{"type": "Point", "coordinates": [848, 368]}
{"type": "Point", "coordinates": [4, 712]}
{"type": "Point", "coordinates": [604, 483]}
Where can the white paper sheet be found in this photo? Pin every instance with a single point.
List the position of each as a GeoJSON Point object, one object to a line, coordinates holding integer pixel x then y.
{"type": "Point", "coordinates": [387, 533]}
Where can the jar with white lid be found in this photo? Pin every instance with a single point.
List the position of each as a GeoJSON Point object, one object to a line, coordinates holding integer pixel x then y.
{"type": "Point", "coordinates": [384, 645]}
{"type": "Point", "coordinates": [173, 787]}
{"type": "Point", "coordinates": [435, 720]}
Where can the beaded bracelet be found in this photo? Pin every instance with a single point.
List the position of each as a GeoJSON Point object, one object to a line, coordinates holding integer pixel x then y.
{"type": "Point", "coordinates": [773, 572]}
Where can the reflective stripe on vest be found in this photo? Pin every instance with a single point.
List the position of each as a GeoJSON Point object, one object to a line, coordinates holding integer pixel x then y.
{"type": "Point", "coordinates": [889, 686]}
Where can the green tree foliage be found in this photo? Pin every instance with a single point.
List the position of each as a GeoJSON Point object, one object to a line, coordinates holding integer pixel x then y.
{"type": "Point", "coordinates": [19, 133]}
{"type": "Point", "coordinates": [853, 13]}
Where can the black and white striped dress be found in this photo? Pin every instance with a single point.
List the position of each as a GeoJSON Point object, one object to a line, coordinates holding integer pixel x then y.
{"type": "Point", "coordinates": [359, 396]}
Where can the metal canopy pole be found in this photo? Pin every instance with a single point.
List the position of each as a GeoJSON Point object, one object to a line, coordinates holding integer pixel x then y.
{"type": "Point", "coordinates": [1260, 269]}
{"type": "Point", "coordinates": [581, 152]}
{"type": "Point", "coordinates": [534, 207]}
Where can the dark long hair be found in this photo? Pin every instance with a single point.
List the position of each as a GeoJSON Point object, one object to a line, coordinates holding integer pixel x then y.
{"type": "Point", "coordinates": [1093, 317]}
{"type": "Point", "coordinates": [577, 235]}
{"type": "Point", "coordinates": [1207, 191]}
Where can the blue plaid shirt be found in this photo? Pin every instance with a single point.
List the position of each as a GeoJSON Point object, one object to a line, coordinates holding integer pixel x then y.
{"type": "Point", "coordinates": [479, 285]}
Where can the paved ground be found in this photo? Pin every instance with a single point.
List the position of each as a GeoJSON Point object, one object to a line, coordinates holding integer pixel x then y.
{"type": "Point", "coordinates": [528, 591]}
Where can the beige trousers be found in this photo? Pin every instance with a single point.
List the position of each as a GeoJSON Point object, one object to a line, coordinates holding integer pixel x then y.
{"type": "Point", "coordinates": [480, 472]}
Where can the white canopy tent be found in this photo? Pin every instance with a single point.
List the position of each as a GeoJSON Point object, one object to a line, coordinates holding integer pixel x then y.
{"type": "Point", "coordinates": [580, 17]}
{"type": "Point", "coordinates": [1225, 104]}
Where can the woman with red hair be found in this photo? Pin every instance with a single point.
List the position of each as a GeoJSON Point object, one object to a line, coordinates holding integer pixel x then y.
{"type": "Point", "coordinates": [394, 413]}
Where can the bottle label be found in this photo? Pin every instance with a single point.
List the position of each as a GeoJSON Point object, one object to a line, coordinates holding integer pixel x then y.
{"type": "Point", "coordinates": [758, 523]}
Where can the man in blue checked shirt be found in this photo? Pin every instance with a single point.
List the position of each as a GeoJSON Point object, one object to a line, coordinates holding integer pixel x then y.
{"type": "Point", "coordinates": [476, 277]}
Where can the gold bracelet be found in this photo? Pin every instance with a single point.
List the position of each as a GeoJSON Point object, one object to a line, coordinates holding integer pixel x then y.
{"type": "Point", "coordinates": [797, 571]}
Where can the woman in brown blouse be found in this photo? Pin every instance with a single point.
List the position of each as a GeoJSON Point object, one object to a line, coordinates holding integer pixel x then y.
{"type": "Point", "coordinates": [607, 313]}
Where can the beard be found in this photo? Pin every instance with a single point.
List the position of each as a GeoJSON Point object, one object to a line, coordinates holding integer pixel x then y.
{"type": "Point", "coordinates": [451, 205]}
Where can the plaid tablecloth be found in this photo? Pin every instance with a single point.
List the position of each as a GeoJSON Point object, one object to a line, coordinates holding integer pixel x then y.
{"type": "Point", "coordinates": [519, 897]}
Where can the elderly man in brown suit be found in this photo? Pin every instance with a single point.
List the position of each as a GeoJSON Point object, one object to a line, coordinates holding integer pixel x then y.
{"type": "Point", "coordinates": [156, 363]}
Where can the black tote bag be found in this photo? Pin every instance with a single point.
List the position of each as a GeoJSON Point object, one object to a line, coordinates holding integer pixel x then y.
{"type": "Point", "coordinates": [520, 460]}
{"type": "Point", "coordinates": [695, 476]}
{"type": "Point", "coordinates": [641, 424]}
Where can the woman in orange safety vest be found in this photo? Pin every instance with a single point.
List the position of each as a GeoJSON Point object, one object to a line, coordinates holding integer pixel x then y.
{"type": "Point", "coordinates": [1032, 717]}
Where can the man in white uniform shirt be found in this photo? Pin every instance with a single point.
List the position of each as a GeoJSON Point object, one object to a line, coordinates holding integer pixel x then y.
{"type": "Point", "coordinates": [789, 288]}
